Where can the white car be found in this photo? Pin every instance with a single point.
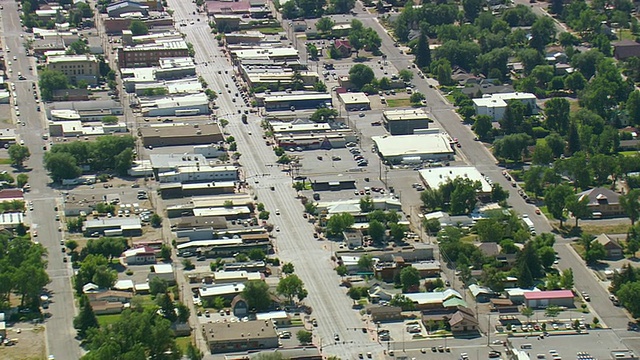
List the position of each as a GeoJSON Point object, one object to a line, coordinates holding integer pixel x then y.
{"type": "Point", "coordinates": [277, 211]}
{"type": "Point", "coordinates": [277, 228]}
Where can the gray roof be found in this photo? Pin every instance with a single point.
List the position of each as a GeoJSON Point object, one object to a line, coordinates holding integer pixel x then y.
{"type": "Point", "coordinates": [86, 105]}
{"type": "Point", "coordinates": [600, 195]}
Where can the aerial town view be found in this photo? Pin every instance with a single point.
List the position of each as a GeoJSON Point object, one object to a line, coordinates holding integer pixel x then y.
{"type": "Point", "coordinates": [320, 179]}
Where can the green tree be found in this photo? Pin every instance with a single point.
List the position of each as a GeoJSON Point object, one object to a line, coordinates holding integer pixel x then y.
{"type": "Point", "coordinates": [290, 287]}
{"type": "Point", "coordinates": [325, 24]}
{"type": "Point", "coordinates": [156, 220]}
{"type": "Point", "coordinates": [471, 9]}
{"type": "Point", "coordinates": [256, 293]}
{"type": "Point", "coordinates": [630, 203]}
{"type": "Point", "coordinates": [193, 353]}
{"type": "Point", "coordinates": [527, 312]}
{"type": "Point", "coordinates": [338, 223]}
{"type": "Point", "coordinates": [566, 279]}
{"type": "Point", "coordinates": [288, 268]}
{"type": "Point", "coordinates": [483, 126]}
{"type": "Point", "coordinates": [633, 106]}
{"type": "Point", "coordinates": [366, 204]}
{"type": "Point", "coordinates": [51, 80]}
{"type": "Point", "coordinates": [416, 98]}
{"type": "Point", "coordinates": [511, 147]}
{"type": "Point", "coordinates": [78, 47]}
{"type": "Point", "coordinates": [86, 319]}
{"type": "Point", "coordinates": [595, 253]}
{"type": "Point", "coordinates": [410, 279]}
{"type": "Point", "coordinates": [555, 198]}
{"type": "Point", "coordinates": [365, 262]}
{"type": "Point", "coordinates": [405, 75]}
{"type": "Point", "coordinates": [403, 302]}
{"type": "Point", "coordinates": [376, 230]}
{"type": "Point", "coordinates": [422, 52]}
{"type": "Point", "coordinates": [158, 286]}
{"type": "Point", "coordinates": [304, 337]}
{"type": "Point", "coordinates": [138, 27]}
{"type": "Point", "coordinates": [557, 111]}
{"type": "Point", "coordinates": [489, 230]}
{"type": "Point", "coordinates": [256, 255]}
{"type": "Point", "coordinates": [360, 75]}
{"type": "Point", "coordinates": [341, 270]}
{"type": "Point", "coordinates": [166, 306]}
{"type": "Point", "coordinates": [629, 296]}
{"type": "Point", "coordinates": [22, 180]}
{"type": "Point", "coordinates": [323, 115]}
{"type": "Point", "coordinates": [575, 81]}
{"type": "Point", "coordinates": [542, 32]}
{"type": "Point", "coordinates": [498, 193]}
{"type": "Point", "coordinates": [18, 154]}
{"type": "Point", "coordinates": [397, 231]}
{"type": "Point", "coordinates": [579, 209]}
{"type": "Point", "coordinates": [552, 311]}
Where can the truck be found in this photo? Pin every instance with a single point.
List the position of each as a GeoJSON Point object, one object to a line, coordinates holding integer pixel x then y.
{"type": "Point", "coordinates": [529, 224]}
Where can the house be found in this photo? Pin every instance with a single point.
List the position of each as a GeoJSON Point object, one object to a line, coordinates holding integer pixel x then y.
{"type": "Point", "coordinates": [240, 336]}
{"type": "Point", "coordinates": [162, 271]}
{"type": "Point", "coordinates": [140, 255]}
{"type": "Point", "coordinates": [124, 285]}
{"type": "Point", "coordinates": [106, 307]}
{"type": "Point", "coordinates": [432, 300]}
{"type": "Point", "coordinates": [602, 202]}
{"type": "Point", "coordinates": [542, 299]}
{"type": "Point", "coordinates": [377, 294]}
{"type": "Point", "coordinates": [480, 293]}
{"type": "Point", "coordinates": [380, 313]}
{"type": "Point", "coordinates": [463, 321]}
{"type": "Point", "coordinates": [111, 296]}
{"type": "Point", "coordinates": [502, 305]}
{"type": "Point", "coordinates": [181, 329]}
{"type": "Point", "coordinates": [516, 295]}
{"type": "Point", "coordinates": [625, 49]}
{"type": "Point", "coordinates": [343, 47]}
{"type": "Point", "coordinates": [489, 249]}
{"type": "Point", "coordinates": [353, 238]}
{"type": "Point", "coordinates": [613, 248]}
{"type": "Point", "coordinates": [11, 195]}
{"type": "Point", "coordinates": [90, 288]}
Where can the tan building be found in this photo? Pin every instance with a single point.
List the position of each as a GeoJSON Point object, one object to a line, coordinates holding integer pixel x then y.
{"type": "Point", "coordinates": [76, 67]}
{"type": "Point", "coordinates": [240, 336]}
{"type": "Point", "coordinates": [174, 135]}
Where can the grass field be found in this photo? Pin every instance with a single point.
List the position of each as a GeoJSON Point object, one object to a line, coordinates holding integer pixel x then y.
{"type": "Point", "coordinates": [183, 342]}
{"type": "Point", "coordinates": [105, 320]}
{"type": "Point", "coordinates": [398, 102]}
{"type": "Point", "coordinates": [5, 161]}
{"type": "Point", "coordinates": [595, 229]}
{"type": "Point", "coordinates": [629, 153]}
{"type": "Point", "coordinates": [271, 30]}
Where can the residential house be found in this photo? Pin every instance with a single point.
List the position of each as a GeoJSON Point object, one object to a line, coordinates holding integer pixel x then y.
{"type": "Point", "coordinates": [481, 294]}
{"type": "Point", "coordinates": [110, 296]}
{"type": "Point", "coordinates": [489, 249]}
{"type": "Point", "coordinates": [380, 313]}
{"type": "Point", "coordinates": [603, 202]}
{"type": "Point", "coordinates": [140, 255]}
{"type": "Point", "coordinates": [162, 271]}
{"type": "Point", "coordinates": [343, 47]}
{"type": "Point", "coordinates": [625, 49]}
{"type": "Point", "coordinates": [377, 294]}
{"type": "Point", "coordinates": [613, 248]}
{"type": "Point", "coordinates": [106, 307]}
{"type": "Point", "coordinates": [432, 300]}
{"type": "Point", "coordinates": [463, 321]}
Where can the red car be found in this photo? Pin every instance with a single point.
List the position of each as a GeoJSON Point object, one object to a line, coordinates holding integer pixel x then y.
{"type": "Point", "coordinates": [538, 211]}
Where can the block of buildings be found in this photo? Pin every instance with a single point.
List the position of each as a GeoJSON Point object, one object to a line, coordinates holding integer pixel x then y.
{"type": "Point", "coordinates": [76, 67]}
{"type": "Point", "coordinates": [265, 54]}
{"type": "Point", "coordinates": [147, 55]}
{"type": "Point", "coordinates": [429, 146]}
{"type": "Point", "coordinates": [271, 76]}
{"type": "Point", "coordinates": [179, 134]}
{"type": "Point", "coordinates": [120, 8]}
{"type": "Point", "coordinates": [495, 105]}
{"type": "Point", "coordinates": [296, 101]}
{"type": "Point", "coordinates": [126, 226]}
{"type": "Point", "coordinates": [405, 121]}
{"type": "Point", "coordinates": [83, 110]}
{"type": "Point", "coordinates": [198, 173]}
{"type": "Point", "coordinates": [191, 104]}
{"type": "Point", "coordinates": [240, 336]}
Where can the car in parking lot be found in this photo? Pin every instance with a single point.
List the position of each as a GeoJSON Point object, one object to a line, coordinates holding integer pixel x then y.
{"type": "Point", "coordinates": [336, 337]}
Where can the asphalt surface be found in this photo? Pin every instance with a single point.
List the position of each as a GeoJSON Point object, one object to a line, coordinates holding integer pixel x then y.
{"type": "Point", "coordinates": [59, 329]}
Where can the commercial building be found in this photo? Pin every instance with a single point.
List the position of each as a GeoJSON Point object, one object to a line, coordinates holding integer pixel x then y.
{"type": "Point", "coordinates": [432, 300]}
{"type": "Point", "coordinates": [192, 104]}
{"type": "Point", "coordinates": [168, 69]}
{"type": "Point", "coordinates": [11, 195]}
{"type": "Point", "coordinates": [354, 101]}
{"type": "Point", "coordinates": [161, 163]}
{"type": "Point", "coordinates": [384, 313]}
{"type": "Point", "coordinates": [431, 146]}
{"type": "Point", "coordinates": [162, 271]}
{"type": "Point", "coordinates": [169, 87]}
{"type": "Point", "coordinates": [120, 8]}
{"type": "Point", "coordinates": [405, 122]}
{"type": "Point", "coordinates": [495, 105]}
{"type": "Point", "coordinates": [126, 226]}
{"type": "Point", "coordinates": [240, 336]}
{"type": "Point", "coordinates": [225, 291]}
{"type": "Point", "coordinates": [204, 172]}
{"type": "Point", "coordinates": [76, 67]}
{"type": "Point", "coordinates": [179, 190]}
{"type": "Point", "coordinates": [542, 299]}
{"type": "Point", "coordinates": [10, 220]}
{"type": "Point", "coordinates": [435, 177]}
{"type": "Point", "coordinates": [261, 53]}
{"type": "Point", "coordinates": [77, 128]}
{"type": "Point", "coordinates": [7, 137]}
{"type": "Point", "coordinates": [180, 134]}
{"type": "Point", "coordinates": [226, 277]}
{"type": "Point", "coordinates": [297, 101]}
{"type": "Point", "coordinates": [312, 141]}
{"type": "Point", "coordinates": [150, 54]}
{"type": "Point", "coordinates": [298, 127]}
{"type": "Point", "coordinates": [84, 110]}
{"type": "Point", "coordinates": [272, 77]}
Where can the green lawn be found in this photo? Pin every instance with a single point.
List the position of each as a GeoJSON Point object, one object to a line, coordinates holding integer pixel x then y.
{"type": "Point", "coordinates": [105, 320]}
{"type": "Point", "coordinates": [398, 102]}
{"type": "Point", "coordinates": [182, 343]}
{"type": "Point", "coordinates": [625, 34]}
{"type": "Point", "coordinates": [629, 153]}
{"type": "Point", "coordinates": [271, 30]}
{"type": "Point", "coordinates": [5, 161]}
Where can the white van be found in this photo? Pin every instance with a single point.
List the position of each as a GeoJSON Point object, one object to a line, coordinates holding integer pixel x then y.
{"type": "Point", "coordinates": [409, 90]}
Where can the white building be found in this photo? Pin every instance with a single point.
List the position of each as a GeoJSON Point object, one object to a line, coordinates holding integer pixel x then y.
{"type": "Point", "coordinates": [429, 146]}
{"type": "Point", "coordinates": [435, 177]}
{"type": "Point", "coordinates": [193, 104]}
{"type": "Point", "coordinates": [355, 101]}
{"type": "Point", "coordinates": [225, 290]}
{"type": "Point", "coordinates": [199, 173]}
{"type": "Point", "coordinates": [162, 271]}
{"type": "Point", "coordinates": [140, 255]}
{"type": "Point", "coordinates": [495, 105]}
{"type": "Point", "coordinates": [226, 277]}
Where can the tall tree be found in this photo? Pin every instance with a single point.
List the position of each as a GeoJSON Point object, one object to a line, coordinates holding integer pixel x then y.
{"type": "Point", "coordinates": [630, 203]}
{"type": "Point", "coordinates": [86, 319]}
{"type": "Point", "coordinates": [290, 287]}
{"type": "Point", "coordinates": [555, 198]}
{"type": "Point", "coordinates": [423, 52]}
{"type": "Point", "coordinates": [18, 154]}
{"type": "Point", "coordinates": [579, 208]}
{"type": "Point", "coordinates": [410, 279]}
{"type": "Point", "coordinates": [256, 294]}
{"type": "Point", "coordinates": [557, 111]}
{"type": "Point", "coordinates": [471, 9]}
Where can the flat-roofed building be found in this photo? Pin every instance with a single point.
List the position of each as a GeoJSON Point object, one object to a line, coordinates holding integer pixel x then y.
{"type": "Point", "coordinates": [435, 177]}
{"type": "Point", "coordinates": [128, 226]}
{"type": "Point", "coordinates": [405, 121]}
{"type": "Point", "coordinates": [191, 104]}
{"type": "Point", "coordinates": [76, 67]}
{"type": "Point", "coordinates": [178, 190]}
{"type": "Point", "coordinates": [150, 54]}
{"type": "Point", "coordinates": [168, 162]}
{"type": "Point", "coordinates": [311, 141]}
{"type": "Point", "coordinates": [268, 54]}
{"type": "Point", "coordinates": [432, 146]}
{"type": "Point", "coordinates": [180, 134]}
{"type": "Point", "coordinates": [240, 336]}
{"type": "Point", "coordinates": [495, 105]}
{"type": "Point", "coordinates": [225, 277]}
{"type": "Point", "coordinates": [354, 101]}
{"type": "Point", "coordinates": [299, 127]}
{"type": "Point", "coordinates": [204, 172]}
{"type": "Point", "coordinates": [272, 76]}
{"type": "Point", "coordinates": [296, 101]}
{"type": "Point", "coordinates": [7, 136]}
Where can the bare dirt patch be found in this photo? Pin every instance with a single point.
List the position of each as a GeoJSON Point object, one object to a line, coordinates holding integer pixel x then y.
{"type": "Point", "coordinates": [30, 343]}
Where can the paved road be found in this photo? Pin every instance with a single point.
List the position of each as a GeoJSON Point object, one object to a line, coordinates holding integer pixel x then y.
{"type": "Point", "coordinates": [294, 242]}
{"type": "Point", "coordinates": [59, 330]}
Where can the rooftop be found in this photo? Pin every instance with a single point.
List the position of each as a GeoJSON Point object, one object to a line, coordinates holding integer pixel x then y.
{"type": "Point", "coordinates": [245, 330]}
{"type": "Point", "coordinates": [405, 114]}
{"type": "Point", "coordinates": [221, 290]}
{"type": "Point", "coordinates": [163, 268]}
{"type": "Point", "coordinates": [551, 294]}
{"type": "Point", "coordinates": [354, 98]}
{"type": "Point", "coordinates": [164, 161]}
{"type": "Point", "coordinates": [411, 145]}
{"type": "Point", "coordinates": [179, 130]}
{"type": "Point", "coordinates": [432, 297]}
{"type": "Point", "coordinates": [71, 58]}
{"type": "Point", "coordinates": [197, 99]}
{"type": "Point", "coordinates": [436, 177]}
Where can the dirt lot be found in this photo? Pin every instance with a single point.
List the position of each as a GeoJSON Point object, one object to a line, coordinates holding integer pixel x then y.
{"type": "Point", "coordinates": [30, 343]}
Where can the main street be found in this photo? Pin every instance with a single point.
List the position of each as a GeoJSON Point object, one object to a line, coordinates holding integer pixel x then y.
{"type": "Point", "coordinates": [59, 329]}
{"type": "Point", "coordinates": [294, 242]}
